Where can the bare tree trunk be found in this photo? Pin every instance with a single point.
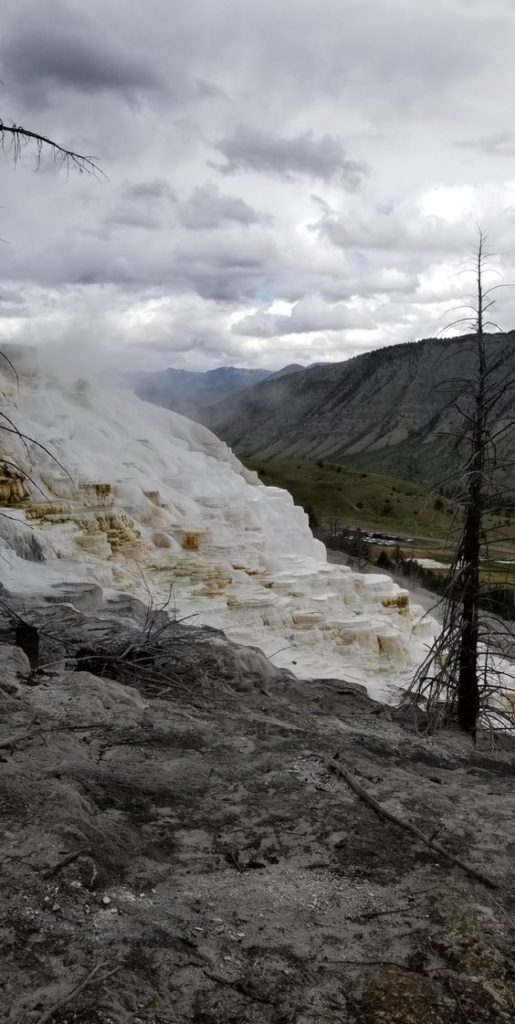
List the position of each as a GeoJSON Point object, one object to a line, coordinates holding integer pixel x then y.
{"type": "Point", "coordinates": [468, 686]}
{"type": "Point", "coordinates": [468, 683]}
{"type": "Point", "coordinates": [458, 678]}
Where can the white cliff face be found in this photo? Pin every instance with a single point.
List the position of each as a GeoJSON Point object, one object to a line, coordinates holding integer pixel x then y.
{"type": "Point", "coordinates": [144, 500]}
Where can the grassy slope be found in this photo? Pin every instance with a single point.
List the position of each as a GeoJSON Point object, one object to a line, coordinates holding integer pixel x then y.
{"type": "Point", "coordinates": [416, 459]}
{"type": "Point", "coordinates": [341, 497]}
{"type": "Point", "coordinates": [359, 499]}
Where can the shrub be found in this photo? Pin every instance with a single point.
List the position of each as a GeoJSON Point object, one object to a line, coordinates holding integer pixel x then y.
{"type": "Point", "coordinates": [312, 517]}
{"type": "Point", "coordinates": [383, 562]}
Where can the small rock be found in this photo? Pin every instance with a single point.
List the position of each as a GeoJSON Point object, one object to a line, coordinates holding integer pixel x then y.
{"type": "Point", "coordinates": [106, 901]}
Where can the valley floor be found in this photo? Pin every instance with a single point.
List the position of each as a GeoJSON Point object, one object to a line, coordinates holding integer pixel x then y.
{"type": "Point", "coordinates": [185, 854]}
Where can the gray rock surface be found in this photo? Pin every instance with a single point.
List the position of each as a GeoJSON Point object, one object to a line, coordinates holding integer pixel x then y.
{"type": "Point", "coordinates": [14, 668]}
{"type": "Point", "coordinates": [190, 838]}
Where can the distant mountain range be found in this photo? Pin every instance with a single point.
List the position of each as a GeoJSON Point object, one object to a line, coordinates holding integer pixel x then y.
{"type": "Point", "coordinates": [389, 411]}
{"type": "Point", "coordinates": [189, 392]}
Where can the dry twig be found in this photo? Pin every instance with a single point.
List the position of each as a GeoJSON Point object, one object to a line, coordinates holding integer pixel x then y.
{"type": "Point", "coordinates": [239, 986]}
{"type": "Point", "coordinates": [12, 741]}
{"type": "Point", "coordinates": [386, 815]}
{"type": "Point", "coordinates": [91, 979]}
{"type": "Point", "coordinates": [69, 859]}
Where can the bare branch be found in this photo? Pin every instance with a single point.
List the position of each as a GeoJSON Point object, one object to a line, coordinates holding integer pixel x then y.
{"type": "Point", "coordinates": [13, 139]}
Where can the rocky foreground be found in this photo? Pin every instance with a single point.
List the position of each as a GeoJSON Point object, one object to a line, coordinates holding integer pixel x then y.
{"type": "Point", "coordinates": [177, 848]}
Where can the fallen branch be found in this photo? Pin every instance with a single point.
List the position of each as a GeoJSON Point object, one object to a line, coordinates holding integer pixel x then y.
{"type": "Point", "coordinates": [368, 915]}
{"type": "Point", "coordinates": [239, 986]}
{"type": "Point", "coordinates": [233, 859]}
{"type": "Point", "coordinates": [13, 740]}
{"type": "Point", "coordinates": [69, 859]}
{"type": "Point", "coordinates": [371, 963]}
{"type": "Point", "coordinates": [91, 979]}
{"type": "Point", "coordinates": [335, 766]}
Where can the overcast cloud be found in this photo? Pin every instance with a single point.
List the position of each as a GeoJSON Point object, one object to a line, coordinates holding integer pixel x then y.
{"type": "Point", "coordinates": [284, 182]}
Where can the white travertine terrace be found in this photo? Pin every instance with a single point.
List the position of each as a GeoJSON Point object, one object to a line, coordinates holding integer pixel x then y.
{"type": "Point", "coordinates": [142, 499]}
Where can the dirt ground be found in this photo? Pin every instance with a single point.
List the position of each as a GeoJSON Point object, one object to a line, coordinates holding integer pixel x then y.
{"type": "Point", "coordinates": [191, 857]}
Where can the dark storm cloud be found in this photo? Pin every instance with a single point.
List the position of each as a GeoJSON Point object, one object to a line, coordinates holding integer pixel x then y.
{"type": "Point", "coordinates": [409, 101]}
{"type": "Point", "coordinates": [149, 191]}
{"type": "Point", "coordinates": [207, 208]}
{"type": "Point", "coordinates": [137, 248]}
{"type": "Point", "coordinates": [250, 149]}
{"type": "Point", "coordinates": [68, 52]}
{"type": "Point", "coordinates": [227, 266]}
{"type": "Point", "coordinates": [9, 297]}
{"type": "Point", "coordinates": [12, 304]}
{"type": "Point", "coordinates": [145, 204]}
{"type": "Point", "coordinates": [208, 90]}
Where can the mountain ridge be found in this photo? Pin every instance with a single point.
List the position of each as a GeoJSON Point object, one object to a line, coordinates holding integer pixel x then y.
{"type": "Point", "coordinates": [390, 410]}
{"type": "Point", "coordinates": [189, 391]}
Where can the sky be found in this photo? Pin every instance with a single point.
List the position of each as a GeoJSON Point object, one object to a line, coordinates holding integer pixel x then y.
{"type": "Point", "coordinates": [282, 181]}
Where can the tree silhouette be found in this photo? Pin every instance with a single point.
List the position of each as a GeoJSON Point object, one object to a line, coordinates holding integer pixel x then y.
{"type": "Point", "coordinates": [14, 138]}
{"type": "Point", "coordinates": [459, 677]}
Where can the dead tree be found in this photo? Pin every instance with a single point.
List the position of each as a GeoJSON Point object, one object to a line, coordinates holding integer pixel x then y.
{"type": "Point", "coordinates": [470, 554]}
{"type": "Point", "coordinates": [14, 138]}
{"type": "Point", "coordinates": [459, 678]}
